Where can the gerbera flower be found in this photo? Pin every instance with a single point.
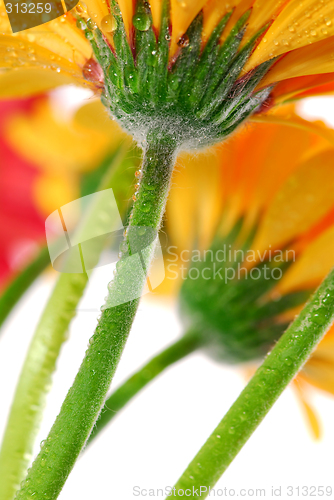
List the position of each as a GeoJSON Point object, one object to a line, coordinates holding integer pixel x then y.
{"type": "Point", "coordinates": [193, 53]}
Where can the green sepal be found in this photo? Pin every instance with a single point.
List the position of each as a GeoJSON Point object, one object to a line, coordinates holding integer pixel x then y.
{"type": "Point", "coordinates": [234, 311]}
{"type": "Point", "coordinates": [226, 54]}
{"type": "Point", "coordinates": [182, 71]}
{"type": "Point", "coordinates": [108, 62]}
{"type": "Point", "coordinates": [159, 81]}
{"type": "Point", "coordinates": [204, 66]}
{"type": "Point", "coordinates": [244, 110]}
{"type": "Point", "coordinates": [240, 94]}
{"type": "Point", "coordinates": [129, 74]}
{"type": "Point", "coordinates": [146, 51]}
{"type": "Point", "coordinates": [145, 91]}
{"type": "Point", "coordinates": [226, 85]}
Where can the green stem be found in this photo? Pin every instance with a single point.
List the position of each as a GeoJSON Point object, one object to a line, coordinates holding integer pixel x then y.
{"type": "Point", "coordinates": [35, 378]}
{"type": "Point", "coordinates": [86, 397]}
{"type": "Point", "coordinates": [279, 368]}
{"type": "Point", "coordinates": [21, 283]}
{"type": "Point", "coordinates": [179, 350]}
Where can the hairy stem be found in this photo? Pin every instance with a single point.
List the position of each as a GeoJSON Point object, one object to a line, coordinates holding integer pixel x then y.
{"type": "Point", "coordinates": [86, 397]}
{"type": "Point", "coordinates": [20, 284]}
{"type": "Point", "coordinates": [281, 365]}
{"type": "Point", "coordinates": [35, 378]}
{"type": "Point", "coordinates": [179, 350]}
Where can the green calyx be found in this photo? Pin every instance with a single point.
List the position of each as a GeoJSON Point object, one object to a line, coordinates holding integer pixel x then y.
{"type": "Point", "coordinates": [198, 98]}
{"type": "Point", "coordinates": [231, 305]}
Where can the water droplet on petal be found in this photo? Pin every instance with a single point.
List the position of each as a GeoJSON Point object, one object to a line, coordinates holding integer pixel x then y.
{"type": "Point", "coordinates": [109, 24]}
{"type": "Point", "coordinates": [183, 41]}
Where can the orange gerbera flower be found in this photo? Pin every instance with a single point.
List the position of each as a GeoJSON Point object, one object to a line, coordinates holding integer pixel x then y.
{"type": "Point", "coordinates": [298, 33]}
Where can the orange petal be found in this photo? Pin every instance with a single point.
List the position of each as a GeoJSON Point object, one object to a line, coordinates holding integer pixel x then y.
{"type": "Point", "coordinates": [312, 265]}
{"type": "Point", "coordinates": [311, 60]}
{"type": "Point", "coordinates": [299, 24]}
{"type": "Point", "coordinates": [304, 199]}
{"type": "Point", "coordinates": [263, 12]}
{"type": "Point", "coordinates": [293, 120]}
{"type": "Point", "coordinates": [301, 86]}
{"type": "Point", "coordinates": [309, 412]}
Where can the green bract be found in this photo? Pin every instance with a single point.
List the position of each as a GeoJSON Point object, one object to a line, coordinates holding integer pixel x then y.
{"type": "Point", "coordinates": [197, 99]}
{"type": "Point", "coordinates": [232, 310]}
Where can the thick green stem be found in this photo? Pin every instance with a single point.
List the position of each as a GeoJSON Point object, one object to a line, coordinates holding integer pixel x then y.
{"type": "Point", "coordinates": [22, 282]}
{"type": "Point", "coordinates": [179, 350]}
{"type": "Point", "coordinates": [86, 397]}
{"type": "Point", "coordinates": [281, 365]}
{"type": "Point", "coordinates": [35, 378]}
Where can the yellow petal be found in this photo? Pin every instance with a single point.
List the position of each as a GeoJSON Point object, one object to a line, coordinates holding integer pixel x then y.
{"type": "Point", "coordinates": [304, 199]}
{"type": "Point", "coordinates": [309, 412]}
{"type": "Point", "coordinates": [25, 82]}
{"type": "Point", "coordinates": [300, 23]}
{"type": "Point", "coordinates": [97, 10]}
{"type": "Point", "coordinates": [263, 11]}
{"type": "Point", "coordinates": [312, 60]}
{"type": "Point", "coordinates": [195, 202]}
{"type": "Point", "coordinates": [93, 115]}
{"type": "Point", "coordinates": [214, 10]}
{"type": "Point", "coordinates": [127, 10]}
{"type": "Point", "coordinates": [319, 369]}
{"type": "Point", "coordinates": [311, 266]}
{"type": "Point", "coordinates": [16, 53]}
{"type": "Point", "coordinates": [183, 13]}
{"type": "Point", "coordinates": [52, 191]}
{"type": "Point", "coordinates": [156, 9]}
{"type": "Point", "coordinates": [54, 145]}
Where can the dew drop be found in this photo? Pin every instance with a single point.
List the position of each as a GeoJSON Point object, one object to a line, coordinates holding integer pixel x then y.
{"type": "Point", "coordinates": [328, 21]}
{"type": "Point", "coordinates": [183, 41]}
{"type": "Point", "coordinates": [141, 21]}
{"type": "Point", "coordinates": [81, 24]}
{"type": "Point", "coordinates": [145, 207]}
{"type": "Point", "coordinates": [89, 35]}
{"type": "Point", "coordinates": [81, 8]}
{"type": "Point", "coordinates": [109, 24]}
{"type": "Point", "coordinates": [314, 33]}
{"type": "Point", "coordinates": [91, 24]}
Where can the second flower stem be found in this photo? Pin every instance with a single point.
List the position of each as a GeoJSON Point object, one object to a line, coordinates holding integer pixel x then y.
{"type": "Point", "coordinates": [281, 365]}
{"type": "Point", "coordinates": [86, 397]}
